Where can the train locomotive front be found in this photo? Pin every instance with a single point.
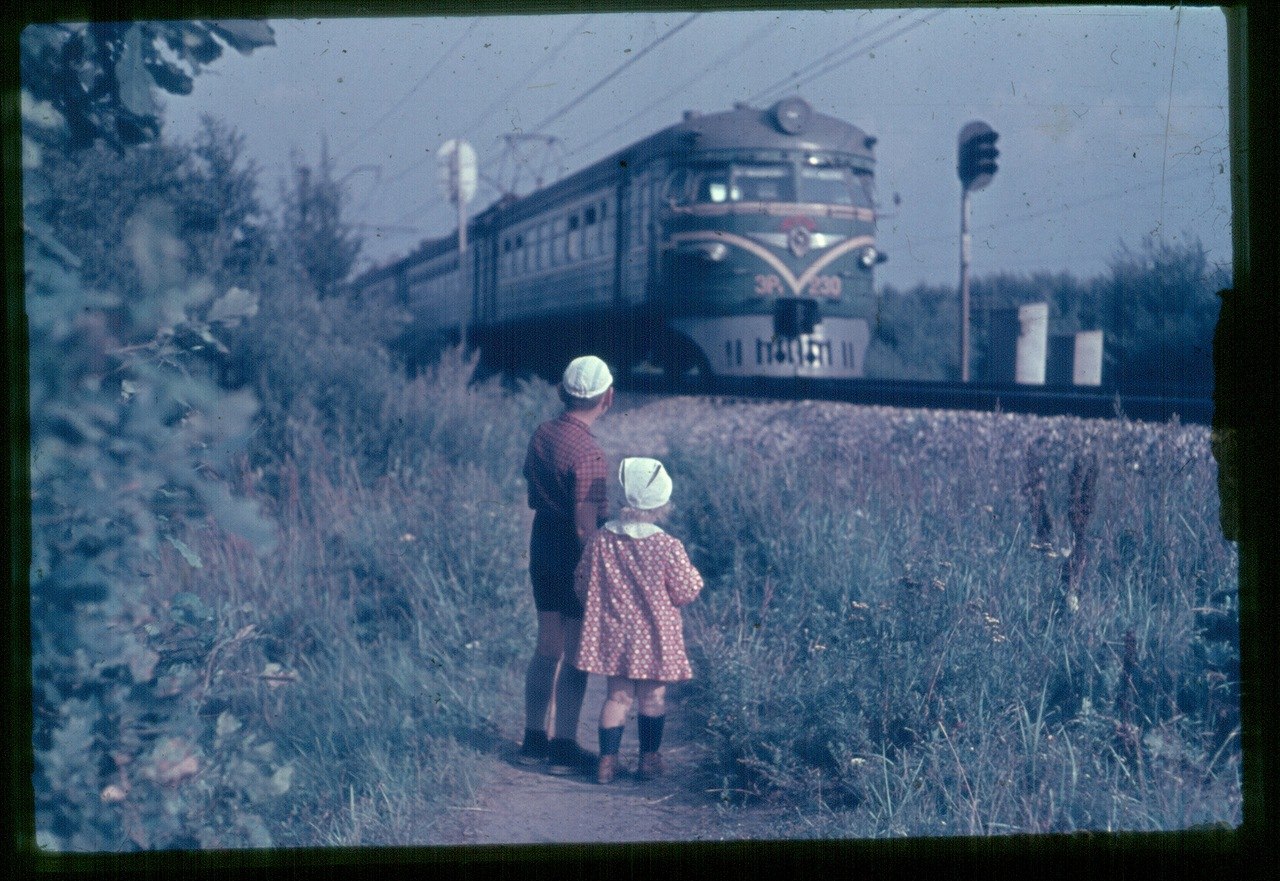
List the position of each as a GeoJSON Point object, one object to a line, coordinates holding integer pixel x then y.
{"type": "Point", "coordinates": [766, 233]}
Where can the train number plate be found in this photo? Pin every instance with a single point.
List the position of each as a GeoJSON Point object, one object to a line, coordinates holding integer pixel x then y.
{"type": "Point", "coordinates": [799, 353]}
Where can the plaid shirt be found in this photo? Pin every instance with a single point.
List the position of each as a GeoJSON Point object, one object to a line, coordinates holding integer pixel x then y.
{"type": "Point", "coordinates": [565, 468]}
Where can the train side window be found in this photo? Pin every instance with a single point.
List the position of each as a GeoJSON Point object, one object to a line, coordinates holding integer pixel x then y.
{"type": "Point", "coordinates": [864, 191]}
{"type": "Point", "coordinates": [676, 191]}
{"type": "Point", "coordinates": [712, 185]}
{"type": "Point", "coordinates": [589, 216]}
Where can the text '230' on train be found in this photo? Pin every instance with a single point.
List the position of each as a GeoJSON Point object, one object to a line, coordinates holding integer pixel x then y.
{"type": "Point", "coordinates": [735, 244]}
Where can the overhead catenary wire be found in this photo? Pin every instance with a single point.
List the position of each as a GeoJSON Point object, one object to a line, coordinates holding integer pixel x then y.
{"type": "Point", "coordinates": [714, 65]}
{"type": "Point", "coordinates": [546, 60]}
{"type": "Point", "coordinates": [485, 114]}
{"type": "Point", "coordinates": [423, 80]}
{"type": "Point", "coordinates": [619, 69]}
{"type": "Point", "coordinates": [1108, 196]}
{"type": "Point", "coordinates": [865, 50]}
{"type": "Point", "coordinates": [571, 104]}
{"type": "Point", "coordinates": [769, 90]}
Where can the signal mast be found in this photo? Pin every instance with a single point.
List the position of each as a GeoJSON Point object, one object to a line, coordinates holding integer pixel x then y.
{"type": "Point", "coordinates": [976, 166]}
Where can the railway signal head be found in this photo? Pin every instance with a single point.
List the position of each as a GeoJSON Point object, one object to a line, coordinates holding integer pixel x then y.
{"type": "Point", "coordinates": [977, 155]}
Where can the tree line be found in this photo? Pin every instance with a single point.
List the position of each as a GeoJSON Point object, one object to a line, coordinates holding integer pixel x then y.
{"type": "Point", "coordinates": [1157, 306]}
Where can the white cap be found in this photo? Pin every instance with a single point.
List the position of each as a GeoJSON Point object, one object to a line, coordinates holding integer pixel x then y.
{"type": "Point", "coordinates": [586, 377]}
{"type": "Point", "coordinates": [645, 482]}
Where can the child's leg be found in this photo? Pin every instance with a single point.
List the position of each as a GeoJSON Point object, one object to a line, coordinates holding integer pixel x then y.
{"type": "Point", "coordinates": [613, 717]}
{"type": "Point", "coordinates": [652, 697]}
{"type": "Point", "coordinates": [653, 713]}
{"type": "Point", "coordinates": [620, 691]}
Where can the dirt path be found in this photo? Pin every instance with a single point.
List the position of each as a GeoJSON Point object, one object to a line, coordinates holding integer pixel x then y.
{"type": "Point", "coordinates": [529, 806]}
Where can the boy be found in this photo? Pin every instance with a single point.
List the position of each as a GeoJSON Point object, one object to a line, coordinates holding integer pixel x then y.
{"type": "Point", "coordinates": [565, 470]}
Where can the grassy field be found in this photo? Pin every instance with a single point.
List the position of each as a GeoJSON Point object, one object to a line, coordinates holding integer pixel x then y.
{"type": "Point", "coordinates": [945, 623]}
{"type": "Point", "coordinates": [915, 623]}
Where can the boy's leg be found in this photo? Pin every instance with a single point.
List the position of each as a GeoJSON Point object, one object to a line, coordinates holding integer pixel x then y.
{"type": "Point", "coordinates": [539, 685]}
{"type": "Point", "coordinates": [571, 686]}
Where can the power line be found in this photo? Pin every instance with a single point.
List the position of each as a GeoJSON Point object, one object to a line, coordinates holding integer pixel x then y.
{"type": "Point", "coordinates": [842, 47]}
{"type": "Point", "coordinates": [524, 81]}
{"type": "Point", "coordinates": [413, 166]}
{"type": "Point", "coordinates": [714, 65]}
{"type": "Point", "coordinates": [566, 108]}
{"type": "Point", "coordinates": [863, 51]}
{"type": "Point", "coordinates": [619, 69]}
{"type": "Point", "coordinates": [416, 86]}
{"type": "Point", "coordinates": [1070, 206]}
{"type": "Point", "coordinates": [555, 54]}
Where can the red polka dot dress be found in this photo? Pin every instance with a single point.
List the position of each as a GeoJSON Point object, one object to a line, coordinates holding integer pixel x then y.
{"type": "Point", "coordinates": [632, 590]}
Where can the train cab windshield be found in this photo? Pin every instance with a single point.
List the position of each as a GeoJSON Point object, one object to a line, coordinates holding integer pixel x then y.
{"type": "Point", "coordinates": [824, 184]}
{"type": "Point", "coordinates": [833, 185]}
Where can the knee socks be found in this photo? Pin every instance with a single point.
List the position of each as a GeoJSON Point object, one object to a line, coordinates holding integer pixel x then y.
{"type": "Point", "coordinates": [650, 732]}
{"type": "Point", "coordinates": [610, 740]}
{"type": "Point", "coordinates": [538, 682]}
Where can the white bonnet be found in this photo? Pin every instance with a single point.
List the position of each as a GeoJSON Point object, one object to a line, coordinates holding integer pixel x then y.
{"type": "Point", "coordinates": [645, 482]}
{"type": "Point", "coordinates": [586, 377]}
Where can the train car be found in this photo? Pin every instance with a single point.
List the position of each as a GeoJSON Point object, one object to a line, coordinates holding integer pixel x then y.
{"type": "Point", "coordinates": [737, 244]}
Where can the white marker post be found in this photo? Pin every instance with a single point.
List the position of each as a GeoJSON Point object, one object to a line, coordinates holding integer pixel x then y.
{"type": "Point", "coordinates": [458, 175]}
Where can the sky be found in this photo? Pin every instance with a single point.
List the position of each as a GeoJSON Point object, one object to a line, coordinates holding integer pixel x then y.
{"type": "Point", "coordinates": [1112, 119]}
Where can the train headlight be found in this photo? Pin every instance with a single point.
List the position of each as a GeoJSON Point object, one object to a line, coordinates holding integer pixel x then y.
{"type": "Point", "coordinates": [715, 251]}
{"type": "Point", "coordinates": [868, 257]}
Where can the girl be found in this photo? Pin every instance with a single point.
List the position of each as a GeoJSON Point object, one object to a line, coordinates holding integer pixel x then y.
{"type": "Point", "coordinates": [632, 580]}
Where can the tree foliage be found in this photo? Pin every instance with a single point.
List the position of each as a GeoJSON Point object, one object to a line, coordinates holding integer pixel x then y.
{"type": "Point", "coordinates": [131, 438]}
{"type": "Point", "coordinates": [209, 186]}
{"type": "Point", "coordinates": [1156, 306]}
{"type": "Point", "coordinates": [323, 245]}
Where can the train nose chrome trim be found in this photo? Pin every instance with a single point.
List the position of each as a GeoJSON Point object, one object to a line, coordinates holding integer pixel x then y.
{"type": "Point", "coordinates": [780, 240]}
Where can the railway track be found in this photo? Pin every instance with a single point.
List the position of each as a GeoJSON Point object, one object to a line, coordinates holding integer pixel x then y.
{"type": "Point", "coordinates": [1036, 400]}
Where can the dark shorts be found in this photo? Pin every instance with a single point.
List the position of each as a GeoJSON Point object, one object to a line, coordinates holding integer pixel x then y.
{"type": "Point", "coordinates": [553, 555]}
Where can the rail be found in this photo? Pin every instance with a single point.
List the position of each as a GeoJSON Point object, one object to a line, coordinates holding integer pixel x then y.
{"type": "Point", "coordinates": [1037, 400]}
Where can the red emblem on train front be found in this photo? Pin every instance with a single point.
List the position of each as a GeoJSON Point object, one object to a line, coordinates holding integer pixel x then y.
{"type": "Point", "coordinates": [798, 227]}
{"type": "Point", "coordinates": [789, 223]}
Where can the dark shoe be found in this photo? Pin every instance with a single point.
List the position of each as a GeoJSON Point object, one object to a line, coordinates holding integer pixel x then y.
{"type": "Point", "coordinates": [650, 766]}
{"type": "Point", "coordinates": [607, 767]}
{"type": "Point", "coordinates": [534, 749]}
{"type": "Point", "coordinates": [566, 757]}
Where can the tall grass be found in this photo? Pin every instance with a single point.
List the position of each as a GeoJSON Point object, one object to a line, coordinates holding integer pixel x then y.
{"type": "Point", "coordinates": [915, 623]}
{"type": "Point", "coordinates": [891, 646]}
{"type": "Point", "coordinates": [374, 653]}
